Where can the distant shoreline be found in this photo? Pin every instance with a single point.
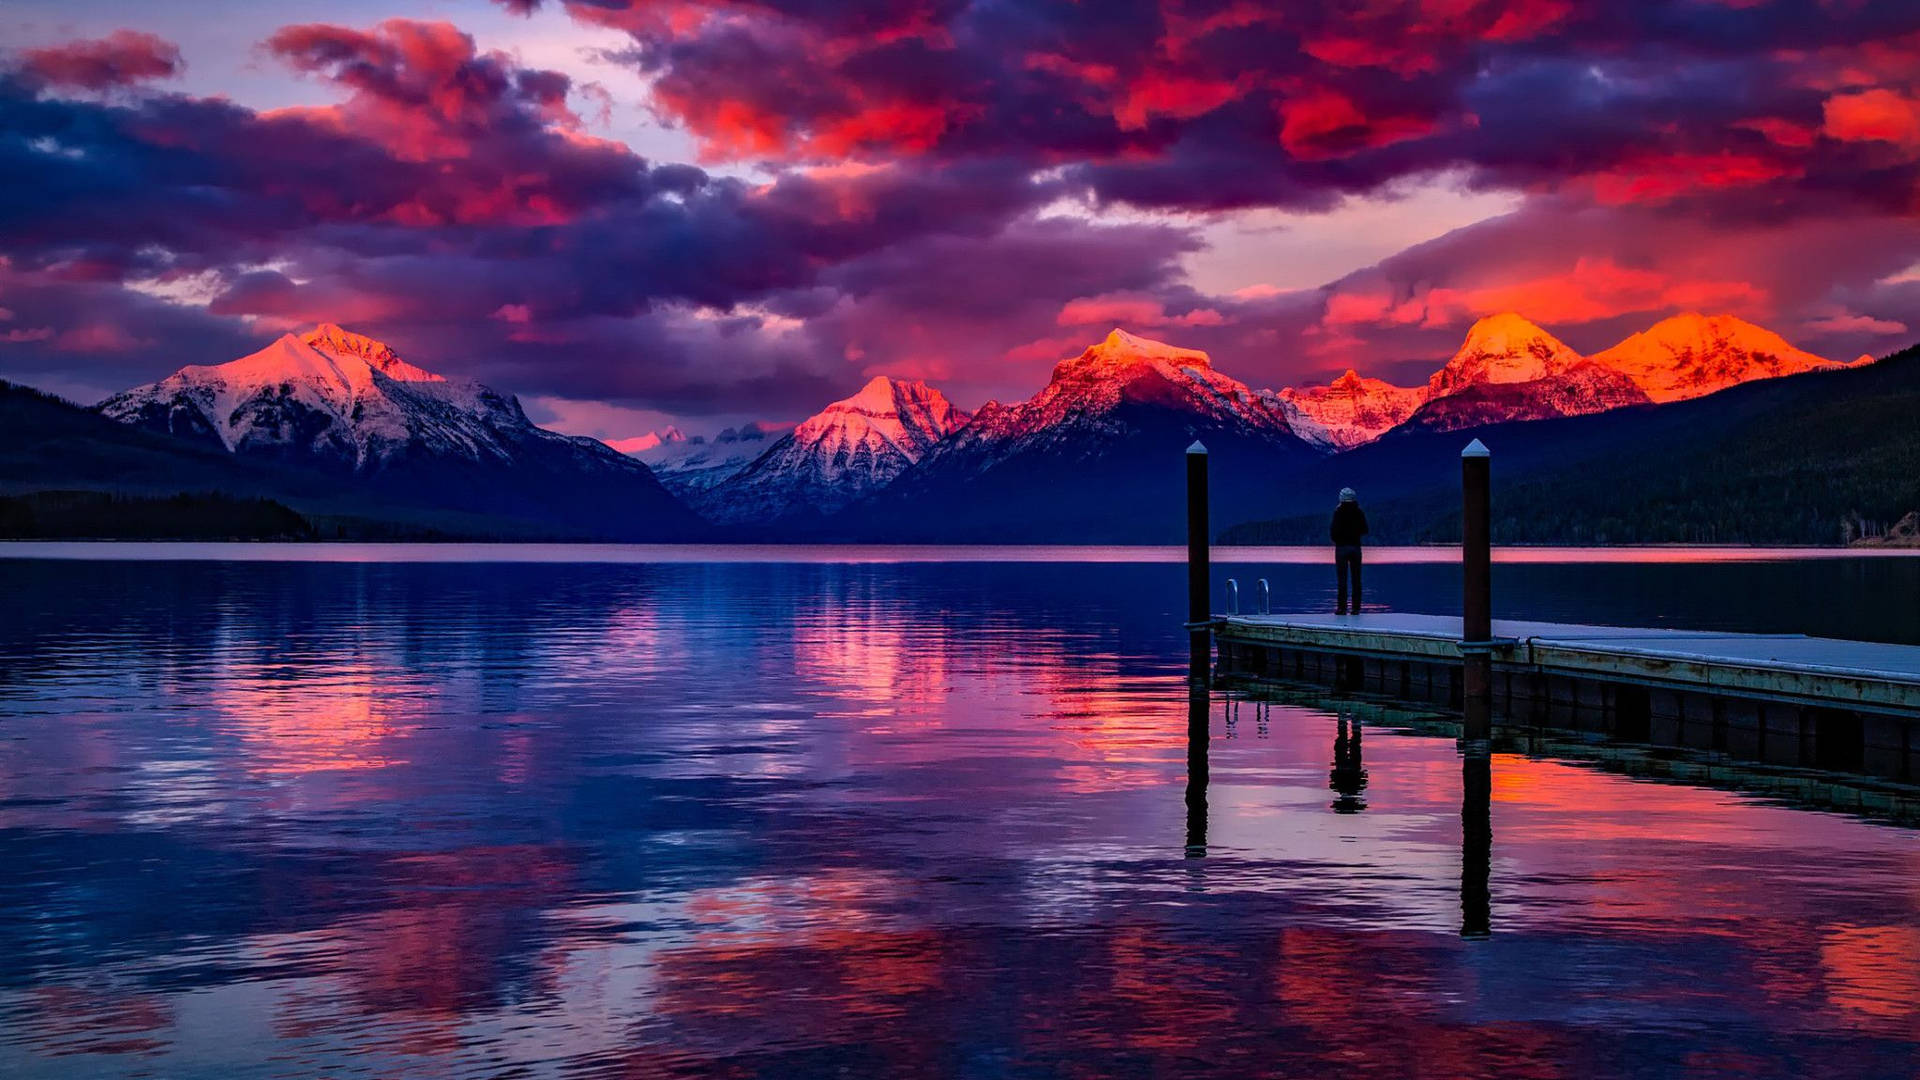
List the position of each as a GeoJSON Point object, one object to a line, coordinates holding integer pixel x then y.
{"type": "Point", "coordinates": [453, 552]}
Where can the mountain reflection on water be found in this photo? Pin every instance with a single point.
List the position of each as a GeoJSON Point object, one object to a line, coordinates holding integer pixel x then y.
{"type": "Point", "coordinates": [352, 819]}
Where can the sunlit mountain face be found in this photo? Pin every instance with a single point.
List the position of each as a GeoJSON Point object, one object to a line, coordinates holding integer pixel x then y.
{"type": "Point", "coordinates": [714, 214]}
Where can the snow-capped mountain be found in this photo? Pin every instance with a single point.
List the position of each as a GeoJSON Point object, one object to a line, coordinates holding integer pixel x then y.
{"type": "Point", "coordinates": [1503, 348]}
{"type": "Point", "coordinates": [652, 440]}
{"type": "Point", "coordinates": [847, 450]}
{"type": "Point", "coordinates": [1690, 355]}
{"type": "Point", "coordinates": [691, 465]}
{"type": "Point", "coordinates": [331, 397]}
{"type": "Point", "coordinates": [1087, 394]}
{"type": "Point", "coordinates": [1509, 369]}
{"type": "Point", "coordinates": [1349, 411]}
{"type": "Point", "coordinates": [1096, 455]}
{"type": "Point", "coordinates": [333, 401]}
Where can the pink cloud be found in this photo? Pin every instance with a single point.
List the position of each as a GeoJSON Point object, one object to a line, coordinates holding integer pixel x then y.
{"type": "Point", "coordinates": [122, 58]}
{"type": "Point", "coordinates": [97, 338]}
{"type": "Point", "coordinates": [1850, 323]}
{"type": "Point", "coordinates": [1131, 309]}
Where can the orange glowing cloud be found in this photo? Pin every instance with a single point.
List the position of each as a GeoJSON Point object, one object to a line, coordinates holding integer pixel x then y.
{"type": "Point", "coordinates": [1131, 309]}
{"type": "Point", "coordinates": [1878, 115]}
{"type": "Point", "coordinates": [1594, 288]}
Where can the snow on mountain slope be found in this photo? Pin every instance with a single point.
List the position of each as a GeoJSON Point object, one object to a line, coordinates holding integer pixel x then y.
{"type": "Point", "coordinates": [1098, 455]}
{"type": "Point", "coordinates": [1691, 355]}
{"type": "Point", "coordinates": [1087, 391]}
{"type": "Point", "coordinates": [334, 397]}
{"type": "Point", "coordinates": [1503, 348]}
{"type": "Point", "coordinates": [1509, 369]}
{"type": "Point", "coordinates": [338, 402]}
{"type": "Point", "coordinates": [689, 465]}
{"type": "Point", "coordinates": [1349, 411]}
{"type": "Point", "coordinates": [652, 440]}
{"type": "Point", "coordinates": [850, 448]}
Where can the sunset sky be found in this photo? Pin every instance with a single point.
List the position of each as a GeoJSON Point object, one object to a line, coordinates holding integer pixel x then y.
{"type": "Point", "coordinates": [704, 211]}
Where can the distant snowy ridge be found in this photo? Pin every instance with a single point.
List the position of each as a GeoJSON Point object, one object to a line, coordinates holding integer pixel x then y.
{"type": "Point", "coordinates": [339, 402]}
{"type": "Point", "coordinates": [1510, 369]}
{"type": "Point", "coordinates": [1691, 355]}
{"type": "Point", "coordinates": [691, 465]}
{"type": "Point", "coordinates": [850, 448]}
{"type": "Point", "coordinates": [1349, 411]}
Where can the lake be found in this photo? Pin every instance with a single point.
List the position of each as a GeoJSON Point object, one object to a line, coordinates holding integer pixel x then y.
{"type": "Point", "coordinates": [445, 811]}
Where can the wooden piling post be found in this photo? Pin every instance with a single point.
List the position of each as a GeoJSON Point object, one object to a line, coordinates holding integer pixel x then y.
{"type": "Point", "coordinates": [1476, 564]}
{"type": "Point", "coordinates": [1199, 568]}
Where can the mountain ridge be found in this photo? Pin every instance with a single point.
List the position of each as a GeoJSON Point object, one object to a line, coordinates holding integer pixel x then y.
{"type": "Point", "coordinates": [340, 403]}
{"type": "Point", "coordinates": [850, 448]}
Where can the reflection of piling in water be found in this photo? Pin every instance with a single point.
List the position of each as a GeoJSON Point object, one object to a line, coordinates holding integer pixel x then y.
{"type": "Point", "coordinates": [1348, 777]}
{"type": "Point", "coordinates": [1199, 567]}
{"type": "Point", "coordinates": [1197, 703]}
{"type": "Point", "coordinates": [1476, 844]}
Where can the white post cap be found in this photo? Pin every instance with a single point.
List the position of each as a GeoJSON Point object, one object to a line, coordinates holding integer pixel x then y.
{"type": "Point", "coordinates": [1196, 448]}
{"type": "Point", "coordinates": [1476, 448]}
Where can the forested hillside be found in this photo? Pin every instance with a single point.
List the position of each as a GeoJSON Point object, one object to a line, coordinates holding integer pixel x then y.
{"type": "Point", "coordinates": [1780, 462]}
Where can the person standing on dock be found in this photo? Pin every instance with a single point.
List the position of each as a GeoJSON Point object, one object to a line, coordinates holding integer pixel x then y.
{"type": "Point", "coordinates": [1349, 527]}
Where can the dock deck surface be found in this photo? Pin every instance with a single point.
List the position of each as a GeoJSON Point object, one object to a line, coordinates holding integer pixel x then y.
{"type": "Point", "coordinates": [1810, 669]}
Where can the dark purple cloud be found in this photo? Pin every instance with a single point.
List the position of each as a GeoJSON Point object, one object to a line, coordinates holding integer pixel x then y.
{"type": "Point", "coordinates": [451, 186]}
{"type": "Point", "coordinates": [1210, 104]}
{"type": "Point", "coordinates": [936, 188]}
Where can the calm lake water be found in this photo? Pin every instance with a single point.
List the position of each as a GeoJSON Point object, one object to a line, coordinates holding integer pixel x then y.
{"type": "Point", "coordinates": [656, 816]}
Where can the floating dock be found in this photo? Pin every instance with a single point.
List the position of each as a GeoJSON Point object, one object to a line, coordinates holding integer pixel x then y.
{"type": "Point", "coordinates": [1785, 699]}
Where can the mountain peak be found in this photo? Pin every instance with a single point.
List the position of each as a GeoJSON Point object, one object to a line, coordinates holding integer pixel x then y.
{"type": "Point", "coordinates": [1503, 348]}
{"type": "Point", "coordinates": [1122, 357]}
{"type": "Point", "coordinates": [885, 396]}
{"type": "Point", "coordinates": [652, 440]}
{"type": "Point", "coordinates": [335, 340]}
{"type": "Point", "coordinates": [1504, 332]}
{"type": "Point", "coordinates": [1349, 411]}
{"type": "Point", "coordinates": [1122, 346]}
{"type": "Point", "coordinates": [1690, 354]}
{"type": "Point", "coordinates": [893, 408]}
{"type": "Point", "coordinates": [851, 447]}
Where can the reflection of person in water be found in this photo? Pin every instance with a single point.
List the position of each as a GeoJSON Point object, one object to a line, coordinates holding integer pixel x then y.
{"type": "Point", "coordinates": [1349, 776]}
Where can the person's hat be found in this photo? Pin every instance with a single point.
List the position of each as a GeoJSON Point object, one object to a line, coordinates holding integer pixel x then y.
{"type": "Point", "coordinates": [1347, 495]}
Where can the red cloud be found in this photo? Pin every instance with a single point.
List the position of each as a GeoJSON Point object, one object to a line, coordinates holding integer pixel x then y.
{"type": "Point", "coordinates": [122, 58]}
{"type": "Point", "coordinates": [1878, 115]}
{"type": "Point", "coordinates": [1158, 93]}
{"type": "Point", "coordinates": [1321, 123]}
{"type": "Point", "coordinates": [421, 87]}
{"type": "Point", "coordinates": [1657, 177]}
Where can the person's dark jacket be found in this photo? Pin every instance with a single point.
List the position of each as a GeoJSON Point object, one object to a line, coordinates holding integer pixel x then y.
{"type": "Point", "coordinates": [1349, 524]}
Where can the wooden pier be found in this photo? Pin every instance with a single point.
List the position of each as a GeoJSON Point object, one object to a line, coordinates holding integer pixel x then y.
{"type": "Point", "coordinates": [1785, 699]}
